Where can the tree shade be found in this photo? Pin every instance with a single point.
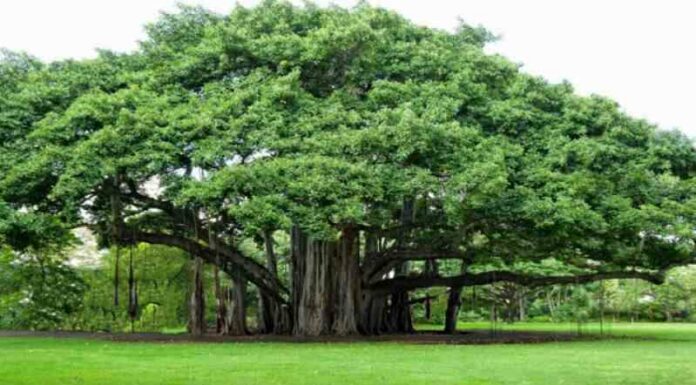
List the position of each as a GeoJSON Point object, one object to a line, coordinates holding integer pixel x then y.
{"type": "Point", "coordinates": [380, 147]}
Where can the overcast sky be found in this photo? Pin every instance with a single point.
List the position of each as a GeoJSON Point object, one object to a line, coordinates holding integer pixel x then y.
{"type": "Point", "coordinates": [640, 53]}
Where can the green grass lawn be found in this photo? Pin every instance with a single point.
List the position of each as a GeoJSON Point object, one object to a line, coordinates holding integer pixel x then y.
{"type": "Point", "coordinates": [645, 330]}
{"type": "Point", "coordinates": [667, 357]}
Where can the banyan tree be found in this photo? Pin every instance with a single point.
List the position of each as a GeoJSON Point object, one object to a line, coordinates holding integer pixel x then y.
{"type": "Point", "coordinates": [381, 149]}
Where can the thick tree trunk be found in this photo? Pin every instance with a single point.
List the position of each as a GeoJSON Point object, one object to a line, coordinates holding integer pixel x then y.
{"type": "Point", "coordinates": [220, 310]}
{"type": "Point", "coordinates": [428, 308]}
{"type": "Point", "coordinates": [117, 275]}
{"type": "Point", "coordinates": [197, 301]}
{"type": "Point", "coordinates": [116, 231]}
{"type": "Point", "coordinates": [265, 314]}
{"type": "Point", "coordinates": [453, 304]}
{"type": "Point", "coordinates": [298, 241]}
{"type": "Point", "coordinates": [399, 315]}
{"type": "Point", "coordinates": [432, 268]}
{"type": "Point", "coordinates": [399, 312]}
{"type": "Point", "coordinates": [132, 293]}
{"type": "Point", "coordinates": [326, 284]}
{"type": "Point", "coordinates": [274, 317]}
{"type": "Point", "coordinates": [373, 310]}
{"type": "Point", "coordinates": [282, 319]}
{"type": "Point", "coordinates": [346, 288]}
{"type": "Point", "coordinates": [313, 312]}
{"type": "Point", "coordinates": [236, 307]}
{"type": "Point", "coordinates": [268, 311]}
{"type": "Point", "coordinates": [373, 306]}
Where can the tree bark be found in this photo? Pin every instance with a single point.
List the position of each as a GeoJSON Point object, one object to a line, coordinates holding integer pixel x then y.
{"type": "Point", "coordinates": [132, 293]}
{"type": "Point", "coordinates": [116, 231]}
{"type": "Point", "coordinates": [269, 310]}
{"type": "Point", "coordinates": [313, 313]}
{"type": "Point", "coordinates": [522, 304]}
{"type": "Point", "coordinates": [428, 308]}
{"type": "Point", "coordinates": [117, 275]}
{"type": "Point", "coordinates": [373, 306]}
{"type": "Point", "coordinates": [220, 309]}
{"type": "Point", "coordinates": [264, 314]}
{"type": "Point", "coordinates": [373, 311]}
{"type": "Point", "coordinates": [399, 314]}
{"type": "Point", "coordinates": [219, 302]}
{"type": "Point", "coordinates": [197, 301]}
{"type": "Point", "coordinates": [346, 280]}
{"type": "Point", "coordinates": [236, 317]}
{"type": "Point", "coordinates": [453, 304]}
{"type": "Point", "coordinates": [283, 319]}
{"type": "Point", "coordinates": [326, 284]}
{"type": "Point", "coordinates": [298, 241]}
{"type": "Point", "coordinates": [310, 284]}
{"type": "Point", "coordinates": [400, 283]}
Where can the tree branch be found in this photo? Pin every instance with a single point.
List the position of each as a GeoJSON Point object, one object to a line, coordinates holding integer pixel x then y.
{"type": "Point", "coordinates": [230, 259]}
{"type": "Point", "coordinates": [411, 283]}
{"type": "Point", "coordinates": [422, 299]}
{"type": "Point", "coordinates": [380, 263]}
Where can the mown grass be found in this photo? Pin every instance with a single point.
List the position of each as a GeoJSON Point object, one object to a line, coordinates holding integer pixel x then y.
{"type": "Point", "coordinates": [667, 357]}
{"type": "Point", "coordinates": [641, 330]}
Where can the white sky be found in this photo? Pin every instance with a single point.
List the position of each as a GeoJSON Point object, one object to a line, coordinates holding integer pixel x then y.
{"type": "Point", "coordinates": [639, 53]}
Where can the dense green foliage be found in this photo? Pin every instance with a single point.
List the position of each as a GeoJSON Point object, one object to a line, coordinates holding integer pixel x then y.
{"type": "Point", "coordinates": [161, 275]}
{"type": "Point", "coordinates": [37, 291]}
{"type": "Point", "coordinates": [337, 125]}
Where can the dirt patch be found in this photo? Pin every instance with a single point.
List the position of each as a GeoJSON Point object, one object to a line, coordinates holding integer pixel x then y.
{"type": "Point", "coordinates": [474, 337]}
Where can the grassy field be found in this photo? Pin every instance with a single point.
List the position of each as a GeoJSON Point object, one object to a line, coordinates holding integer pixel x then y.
{"type": "Point", "coordinates": [640, 330]}
{"type": "Point", "coordinates": [667, 355]}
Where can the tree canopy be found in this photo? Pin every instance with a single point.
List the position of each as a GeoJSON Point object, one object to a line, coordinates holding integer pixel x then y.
{"type": "Point", "coordinates": [370, 140]}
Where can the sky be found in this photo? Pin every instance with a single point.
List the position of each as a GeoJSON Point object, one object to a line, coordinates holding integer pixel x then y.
{"type": "Point", "coordinates": [639, 53]}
